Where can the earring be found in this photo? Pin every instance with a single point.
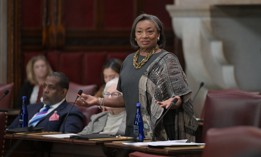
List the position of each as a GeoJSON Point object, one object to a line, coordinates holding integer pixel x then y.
{"type": "Point", "coordinates": [158, 38]}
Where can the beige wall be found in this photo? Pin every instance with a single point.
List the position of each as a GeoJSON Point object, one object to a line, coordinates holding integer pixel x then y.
{"type": "Point", "coordinates": [214, 2]}
{"type": "Point", "coordinates": [221, 44]}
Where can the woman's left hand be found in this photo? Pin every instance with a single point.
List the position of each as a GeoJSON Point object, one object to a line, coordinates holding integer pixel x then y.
{"type": "Point", "coordinates": [168, 102]}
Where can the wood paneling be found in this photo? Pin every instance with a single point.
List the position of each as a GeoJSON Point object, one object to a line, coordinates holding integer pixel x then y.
{"type": "Point", "coordinates": [78, 25]}
{"type": "Point", "coordinates": [158, 8]}
{"type": "Point", "coordinates": [86, 25]}
{"type": "Point", "coordinates": [14, 44]}
{"type": "Point", "coordinates": [31, 13]}
{"type": "Point", "coordinates": [79, 14]}
{"type": "Point", "coordinates": [118, 16]}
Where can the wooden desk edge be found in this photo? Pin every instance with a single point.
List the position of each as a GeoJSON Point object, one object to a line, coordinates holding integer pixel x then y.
{"type": "Point", "coordinates": [164, 150]}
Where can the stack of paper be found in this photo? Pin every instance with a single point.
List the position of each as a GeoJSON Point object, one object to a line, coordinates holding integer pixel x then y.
{"type": "Point", "coordinates": [165, 143]}
{"type": "Point", "coordinates": [59, 135]}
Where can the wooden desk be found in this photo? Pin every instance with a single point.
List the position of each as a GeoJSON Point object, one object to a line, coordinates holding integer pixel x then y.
{"type": "Point", "coordinates": [11, 115]}
{"type": "Point", "coordinates": [195, 151]}
{"type": "Point", "coordinates": [36, 145]}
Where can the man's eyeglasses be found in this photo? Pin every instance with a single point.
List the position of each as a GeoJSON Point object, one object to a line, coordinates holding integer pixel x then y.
{"type": "Point", "coordinates": [113, 94]}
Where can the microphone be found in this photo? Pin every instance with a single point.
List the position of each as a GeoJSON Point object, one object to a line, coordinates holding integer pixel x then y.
{"type": "Point", "coordinates": [4, 94]}
{"type": "Point", "coordinates": [195, 96]}
{"type": "Point", "coordinates": [171, 105]}
{"type": "Point", "coordinates": [78, 95]}
{"type": "Point", "coordinates": [2, 97]}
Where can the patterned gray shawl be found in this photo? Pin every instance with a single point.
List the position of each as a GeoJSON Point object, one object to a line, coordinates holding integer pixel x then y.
{"type": "Point", "coordinates": [164, 78]}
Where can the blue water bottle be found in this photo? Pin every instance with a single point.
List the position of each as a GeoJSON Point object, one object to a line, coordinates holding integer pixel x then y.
{"type": "Point", "coordinates": [138, 125]}
{"type": "Point", "coordinates": [23, 113]}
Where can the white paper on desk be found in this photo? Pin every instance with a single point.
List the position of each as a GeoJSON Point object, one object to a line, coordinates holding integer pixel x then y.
{"type": "Point", "coordinates": [171, 143]}
{"type": "Point", "coordinates": [59, 135]}
{"type": "Point", "coordinates": [164, 143]}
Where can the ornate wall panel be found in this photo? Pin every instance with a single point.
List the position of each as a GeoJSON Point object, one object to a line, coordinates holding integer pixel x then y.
{"type": "Point", "coordinates": [78, 25]}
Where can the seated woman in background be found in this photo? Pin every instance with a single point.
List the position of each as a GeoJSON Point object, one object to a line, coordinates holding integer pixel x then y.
{"type": "Point", "coordinates": [111, 121]}
{"type": "Point", "coordinates": [37, 69]}
{"type": "Point", "coordinates": [111, 70]}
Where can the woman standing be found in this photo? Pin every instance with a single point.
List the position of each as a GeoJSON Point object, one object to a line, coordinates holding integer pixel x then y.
{"type": "Point", "coordinates": [153, 77]}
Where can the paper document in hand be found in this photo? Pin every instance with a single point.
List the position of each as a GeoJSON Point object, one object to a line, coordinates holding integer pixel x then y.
{"type": "Point", "coordinates": [59, 135]}
{"type": "Point", "coordinates": [164, 143]}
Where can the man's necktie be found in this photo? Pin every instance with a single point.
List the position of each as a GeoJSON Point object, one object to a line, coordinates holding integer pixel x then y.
{"type": "Point", "coordinates": [39, 116]}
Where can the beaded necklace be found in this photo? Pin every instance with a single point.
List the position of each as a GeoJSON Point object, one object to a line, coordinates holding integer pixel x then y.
{"type": "Point", "coordinates": [144, 60]}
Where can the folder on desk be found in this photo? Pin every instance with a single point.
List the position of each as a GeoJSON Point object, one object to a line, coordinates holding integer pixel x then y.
{"type": "Point", "coordinates": [91, 136]}
{"type": "Point", "coordinates": [169, 143]}
{"type": "Point", "coordinates": [24, 129]}
{"type": "Point", "coordinates": [173, 144]}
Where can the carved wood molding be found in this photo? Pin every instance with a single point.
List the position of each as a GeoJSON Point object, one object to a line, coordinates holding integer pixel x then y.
{"type": "Point", "coordinates": [89, 40]}
{"type": "Point", "coordinates": [53, 31]}
{"type": "Point", "coordinates": [14, 44]}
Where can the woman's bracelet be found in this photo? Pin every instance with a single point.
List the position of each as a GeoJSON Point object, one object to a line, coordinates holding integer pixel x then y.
{"type": "Point", "coordinates": [101, 102]}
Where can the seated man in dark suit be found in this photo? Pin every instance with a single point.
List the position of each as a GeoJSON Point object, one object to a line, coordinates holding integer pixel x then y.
{"type": "Point", "coordinates": [52, 113]}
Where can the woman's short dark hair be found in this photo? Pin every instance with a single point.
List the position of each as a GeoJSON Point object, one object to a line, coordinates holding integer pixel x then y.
{"type": "Point", "coordinates": [162, 40]}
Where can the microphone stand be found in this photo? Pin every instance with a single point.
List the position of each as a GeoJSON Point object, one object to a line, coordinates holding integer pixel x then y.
{"type": "Point", "coordinates": [195, 96]}
{"type": "Point", "coordinates": [79, 93]}
{"type": "Point", "coordinates": [171, 105]}
{"type": "Point", "coordinates": [4, 94]}
{"type": "Point", "coordinates": [2, 97]}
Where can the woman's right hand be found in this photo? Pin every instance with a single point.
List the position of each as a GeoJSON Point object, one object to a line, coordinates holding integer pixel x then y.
{"type": "Point", "coordinates": [87, 100]}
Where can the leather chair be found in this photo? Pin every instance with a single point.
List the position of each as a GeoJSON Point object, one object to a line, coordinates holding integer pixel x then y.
{"type": "Point", "coordinates": [227, 108]}
{"type": "Point", "coordinates": [88, 112]}
{"type": "Point", "coordinates": [74, 89]}
{"type": "Point", "coordinates": [87, 89]}
{"type": "Point", "coordinates": [232, 142]}
{"type": "Point", "coordinates": [82, 65]}
{"type": "Point", "coordinates": [6, 98]}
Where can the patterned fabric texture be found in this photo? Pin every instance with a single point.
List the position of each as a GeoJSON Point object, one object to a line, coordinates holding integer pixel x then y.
{"type": "Point", "coordinates": [39, 116]}
{"type": "Point", "coordinates": [164, 79]}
